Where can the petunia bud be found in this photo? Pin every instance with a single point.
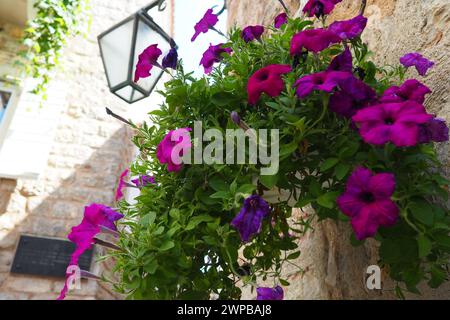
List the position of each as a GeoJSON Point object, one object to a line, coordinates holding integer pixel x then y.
{"type": "Point", "coordinates": [235, 117]}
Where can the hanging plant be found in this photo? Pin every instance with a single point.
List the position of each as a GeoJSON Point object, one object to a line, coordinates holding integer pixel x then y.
{"type": "Point", "coordinates": [352, 140]}
{"type": "Point", "coordinates": [46, 34]}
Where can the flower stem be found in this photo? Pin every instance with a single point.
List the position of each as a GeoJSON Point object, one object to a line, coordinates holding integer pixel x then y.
{"type": "Point", "coordinates": [284, 6]}
{"type": "Point", "coordinates": [112, 114]}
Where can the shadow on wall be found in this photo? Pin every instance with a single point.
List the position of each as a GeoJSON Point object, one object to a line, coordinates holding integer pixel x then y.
{"type": "Point", "coordinates": [29, 208]}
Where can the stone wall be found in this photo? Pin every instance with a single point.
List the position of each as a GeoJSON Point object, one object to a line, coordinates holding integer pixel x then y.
{"type": "Point", "coordinates": [334, 269]}
{"type": "Point", "coordinates": [87, 155]}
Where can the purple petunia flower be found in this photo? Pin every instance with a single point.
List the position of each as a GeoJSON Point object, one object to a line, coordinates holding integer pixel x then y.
{"type": "Point", "coordinates": [367, 201]}
{"type": "Point", "coordinates": [121, 185]}
{"type": "Point", "coordinates": [270, 293]}
{"type": "Point", "coordinates": [95, 217]}
{"type": "Point", "coordinates": [251, 33]}
{"type": "Point", "coordinates": [147, 60]}
{"type": "Point", "coordinates": [434, 130]}
{"type": "Point", "coordinates": [280, 20]}
{"type": "Point", "coordinates": [208, 21]}
{"type": "Point", "coordinates": [249, 220]}
{"type": "Point", "coordinates": [353, 95]}
{"type": "Point", "coordinates": [171, 59]}
{"type": "Point", "coordinates": [325, 81]}
{"type": "Point", "coordinates": [392, 122]}
{"type": "Point", "coordinates": [143, 181]}
{"type": "Point", "coordinates": [349, 29]}
{"type": "Point", "coordinates": [415, 59]}
{"type": "Point", "coordinates": [175, 139]}
{"type": "Point", "coordinates": [314, 40]}
{"type": "Point", "coordinates": [319, 8]}
{"type": "Point", "coordinates": [342, 62]}
{"type": "Point", "coordinates": [267, 80]}
{"type": "Point", "coordinates": [213, 55]}
{"type": "Point", "coordinates": [410, 90]}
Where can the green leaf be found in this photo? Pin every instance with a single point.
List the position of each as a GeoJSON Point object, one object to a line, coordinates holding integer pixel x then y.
{"type": "Point", "coordinates": [399, 250]}
{"type": "Point", "coordinates": [221, 195]}
{"type": "Point", "coordinates": [303, 203]}
{"type": "Point", "coordinates": [294, 255]}
{"type": "Point", "coordinates": [424, 245]}
{"type": "Point", "coordinates": [269, 181]}
{"type": "Point", "coordinates": [328, 200]}
{"type": "Point", "coordinates": [223, 99]}
{"type": "Point", "coordinates": [167, 245]}
{"type": "Point", "coordinates": [195, 221]}
{"type": "Point", "coordinates": [328, 164]}
{"type": "Point", "coordinates": [284, 282]}
{"type": "Point", "coordinates": [148, 219]}
{"type": "Point", "coordinates": [341, 170]}
{"type": "Point", "coordinates": [218, 184]}
{"type": "Point", "coordinates": [422, 211]}
{"type": "Point", "coordinates": [247, 189]}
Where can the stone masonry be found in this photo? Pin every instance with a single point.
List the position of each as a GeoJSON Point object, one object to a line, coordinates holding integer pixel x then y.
{"type": "Point", "coordinates": [335, 269]}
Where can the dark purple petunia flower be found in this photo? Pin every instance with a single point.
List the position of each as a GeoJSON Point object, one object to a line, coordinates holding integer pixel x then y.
{"type": "Point", "coordinates": [143, 181]}
{"type": "Point", "coordinates": [434, 130]}
{"type": "Point", "coordinates": [314, 40]}
{"type": "Point", "coordinates": [349, 29]}
{"type": "Point", "coordinates": [415, 59]}
{"type": "Point", "coordinates": [410, 90]}
{"type": "Point", "coordinates": [353, 95]}
{"type": "Point", "coordinates": [171, 59]}
{"type": "Point", "coordinates": [208, 21]}
{"type": "Point", "coordinates": [280, 20]}
{"type": "Point", "coordinates": [147, 60]}
{"type": "Point", "coordinates": [267, 80]}
{"type": "Point", "coordinates": [249, 220]}
{"type": "Point", "coordinates": [392, 122]}
{"type": "Point", "coordinates": [367, 201]}
{"type": "Point", "coordinates": [235, 117]}
{"type": "Point", "coordinates": [213, 55]}
{"type": "Point", "coordinates": [270, 293]}
{"type": "Point", "coordinates": [319, 8]}
{"type": "Point", "coordinates": [251, 33]}
{"type": "Point", "coordinates": [325, 81]}
{"type": "Point", "coordinates": [342, 62]}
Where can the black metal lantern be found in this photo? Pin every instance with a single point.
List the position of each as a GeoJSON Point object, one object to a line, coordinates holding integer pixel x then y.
{"type": "Point", "coordinates": [120, 47]}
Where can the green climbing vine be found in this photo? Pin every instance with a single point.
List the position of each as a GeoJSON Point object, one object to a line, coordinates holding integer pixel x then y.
{"type": "Point", "coordinates": [45, 36]}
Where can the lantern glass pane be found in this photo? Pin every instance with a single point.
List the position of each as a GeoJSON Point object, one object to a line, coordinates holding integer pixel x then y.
{"type": "Point", "coordinates": [116, 49]}
{"type": "Point", "coordinates": [125, 93]}
{"type": "Point", "coordinates": [147, 36]}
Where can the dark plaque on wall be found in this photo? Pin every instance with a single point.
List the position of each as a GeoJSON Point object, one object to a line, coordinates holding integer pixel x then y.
{"type": "Point", "coordinates": [46, 257]}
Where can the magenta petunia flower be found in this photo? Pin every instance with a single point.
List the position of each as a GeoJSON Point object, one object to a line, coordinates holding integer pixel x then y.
{"type": "Point", "coordinates": [410, 90]}
{"type": "Point", "coordinates": [349, 29]}
{"type": "Point", "coordinates": [212, 55]}
{"type": "Point", "coordinates": [270, 293]}
{"type": "Point", "coordinates": [434, 130]}
{"type": "Point", "coordinates": [367, 201]}
{"type": "Point", "coordinates": [176, 139]}
{"type": "Point", "coordinates": [280, 20]}
{"type": "Point", "coordinates": [121, 185]}
{"type": "Point", "coordinates": [143, 181]}
{"type": "Point", "coordinates": [319, 8]}
{"type": "Point", "coordinates": [314, 40]}
{"type": "Point", "coordinates": [353, 95]}
{"type": "Point", "coordinates": [171, 59]}
{"type": "Point", "coordinates": [95, 217]}
{"type": "Point", "coordinates": [392, 122]}
{"type": "Point", "coordinates": [342, 62]}
{"type": "Point", "coordinates": [208, 21]}
{"type": "Point", "coordinates": [267, 80]}
{"type": "Point", "coordinates": [323, 81]}
{"type": "Point", "coordinates": [415, 59]}
{"type": "Point", "coordinates": [147, 60]}
{"type": "Point", "coordinates": [251, 33]}
{"type": "Point", "coordinates": [249, 220]}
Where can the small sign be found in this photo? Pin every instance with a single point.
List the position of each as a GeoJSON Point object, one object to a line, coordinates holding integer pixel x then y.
{"type": "Point", "coordinates": [46, 257]}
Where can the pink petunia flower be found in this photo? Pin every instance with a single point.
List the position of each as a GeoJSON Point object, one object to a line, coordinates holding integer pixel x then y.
{"type": "Point", "coordinates": [208, 21]}
{"type": "Point", "coordinates": [319, 8]}
{"type": "Point", "coordinates": [367, 201]}
{"type": "Point", "coordinates": [349, 29]}
{"type": "Point", "coordinates": [251, 33]}
{"type": "Point", "coordinates": [415, 59]}
{"type": "Point", "coordinates": [264, 293]}
{"type": "Point", "coordinates": [212, 55]}
{"type": "Point", "coordinates": [314, 40]}
{"type": "Point", "coordinates": [342, 62]}
{"type": "Point", "coordinates": [267, 80]}
{"type": "Point", "coordinates": [121, 185]}
{"type": "Point", "coordinates": [392, 122]}
{"type": "Point", "coordinates": [172, 147]}
{"type": "Point", "coordinates": [434, 130]}
{"type": "Point", "coordinates": [95, 217]}
{"type": "Point", "coordinates": [325, 81]}
{"type": "Point", "coordinates": [280, 20]}
{"type": "Point", "coordinates": [143, 181]}
{"type": "Point", "coordinates": [410, 90]}
{"type": "Point", "coordinates": [147, 60]}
